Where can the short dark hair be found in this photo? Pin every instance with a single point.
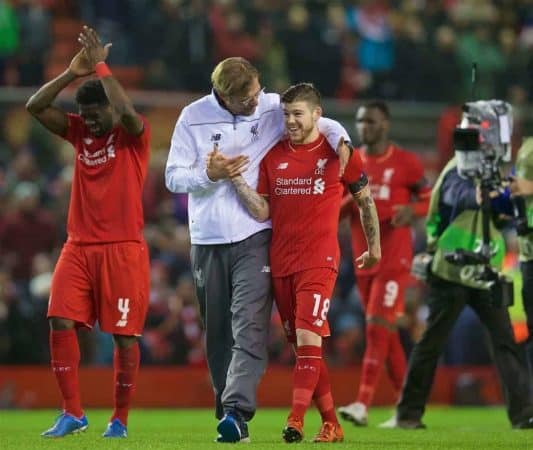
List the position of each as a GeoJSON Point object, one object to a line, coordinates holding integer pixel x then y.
{"type": "Point", "coordinates": [92, 92]}
{"type": "Point", "coordinates": [303, 92]}
{"type": "Point", "coordinates": [378, 104]}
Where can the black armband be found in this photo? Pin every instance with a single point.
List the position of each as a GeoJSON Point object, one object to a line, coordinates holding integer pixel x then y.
{"type": "Point", "coordinates": [356, 186]}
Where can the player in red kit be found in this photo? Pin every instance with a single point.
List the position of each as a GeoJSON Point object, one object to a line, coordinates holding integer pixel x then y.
{"type": "Point", "coordinates": [398, 186]}
{"type": "Point", "coordinates": [300, 189]}
{"type": "Point", "coordinates": [103, 271]}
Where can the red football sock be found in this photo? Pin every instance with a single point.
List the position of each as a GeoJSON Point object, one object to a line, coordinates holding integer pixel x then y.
{"type": "Point", "coordinates": [377, 344]}
{"type": "Point", "coordinates": [65, 359]}
{"type": "Point", "coordinates": [322, 395]}
{"type": "Point", "coordinates": [126, 366]}
{"type": "Point", "coordinates": [305, 378]}
{"type": "Point", "coordinates": [396, 362]}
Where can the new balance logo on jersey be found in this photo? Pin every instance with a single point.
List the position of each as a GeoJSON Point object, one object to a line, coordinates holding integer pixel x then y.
{"type": "Point", "coordinates": [319, 186]}
{"type": "Point", "coordinates": [87, 141]}
{"type": "Point", "coordinates": [216, 137]}
{"type": "Point", "coordinates": [283, 166]}
{"type": "Point", "coordinates": [265, 269]}
{"type": "Point", "coordinates": [320, 166]}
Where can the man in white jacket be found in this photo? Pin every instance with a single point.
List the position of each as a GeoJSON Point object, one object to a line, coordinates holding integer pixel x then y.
{"type": "Point", "coordinates": [229, 254]}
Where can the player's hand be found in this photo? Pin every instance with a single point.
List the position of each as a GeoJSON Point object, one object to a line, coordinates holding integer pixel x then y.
{"type": "Point", "coordinates": [367, 260]}
{"type": "Point", "coordinates": [220, 167]}
{"type": "Point", "coordinates": [344, 153]}
{"type": "Point", "coordinates": [80, 64]}
{"type": "Point", "coordinates": [96, 52]}
{"type": "Point", "coordinates": [402, 215]}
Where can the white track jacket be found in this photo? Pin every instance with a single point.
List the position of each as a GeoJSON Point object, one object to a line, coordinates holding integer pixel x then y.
{"type": "Point", "coordinates": [216, 216]}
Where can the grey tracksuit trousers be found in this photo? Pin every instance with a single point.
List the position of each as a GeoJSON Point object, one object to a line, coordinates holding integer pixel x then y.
{"type": "Point", "coordinates": [233, 286]}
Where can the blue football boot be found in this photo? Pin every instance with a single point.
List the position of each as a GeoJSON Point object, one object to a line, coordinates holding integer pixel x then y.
{"type": "Point", "coordinates": [232, 429]}
{"type": "Point", "coordinates": [66, 424]}
{"type": "Point", "coordinates": [116, 429]}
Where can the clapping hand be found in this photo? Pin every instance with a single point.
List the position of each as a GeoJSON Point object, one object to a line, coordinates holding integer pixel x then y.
{"type": "Point", "coordinates": [220, 167]}
{"type": "Point", "coordinates": [80, 64]}
{"type": "Point", "coordinates": [95, 51]}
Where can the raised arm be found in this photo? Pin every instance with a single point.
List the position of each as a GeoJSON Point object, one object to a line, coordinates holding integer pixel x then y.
{"type": "Point", "coordinates": [119, 100]}
{"type": "Point", "coordinates": [256, 204]}
{"type": "Point", "coordinates": [40, 104]}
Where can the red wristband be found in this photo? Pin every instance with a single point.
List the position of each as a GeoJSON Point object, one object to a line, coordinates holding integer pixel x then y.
{"type": "Point", "coordinates": [102, 70]}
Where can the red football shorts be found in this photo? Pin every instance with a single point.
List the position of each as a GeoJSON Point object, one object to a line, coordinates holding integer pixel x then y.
{"type": "Point", "coordinates": [383, 294]}
{"type": "Point", "coordinates": [303, 300]}
{"type": "Point", "coordinates": [104, 282]}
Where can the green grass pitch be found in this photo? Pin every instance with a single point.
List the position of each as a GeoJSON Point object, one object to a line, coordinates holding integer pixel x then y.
{"type": "Point", "coordinates": [448, 428]}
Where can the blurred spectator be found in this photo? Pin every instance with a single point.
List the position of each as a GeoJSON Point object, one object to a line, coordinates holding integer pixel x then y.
{"type": "Point", "coordinates": [308, 52]}
{"type": "Point", "coordinates": [375, 50]}
{"type": "Point", "coordinates": [410, 53]}
{"type": "Point", "coordinates": [112, 20]}
{"type": "Point", "coordinates": [273, 65]}
{"type": "Point", "coordinates": [444, 72]}
{"type": "Point", "coordinates": [35, 41]}
{"type": "Point", "coordinates": [180, 55]}
{"type": "Point", "coordinates": [516, 59]}
{"type": "Point", "coordinates": [26, 231]}
{"type": "Point", "coordinates": [230, 36]}
{"type": "Point", "coordinates": [9, 43]}
{"type": "Point", "coordinates": [478, 46]}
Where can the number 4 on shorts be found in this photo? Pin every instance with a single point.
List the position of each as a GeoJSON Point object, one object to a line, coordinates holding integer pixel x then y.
{"type": "Point", "coordinates": [123, 306]}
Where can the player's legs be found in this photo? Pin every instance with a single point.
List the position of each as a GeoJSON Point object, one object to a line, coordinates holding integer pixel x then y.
{"type": "Point", "coordinates": [211, 270]}
{"type": "Point", "coordinates": [70, 306]}
{"type": "Point", "coordinates": [251, 310]}
{"type": "Point", "coordinates": [383, 294]}
{"type": "Point", "coordinates": [446, 300]}
{"type": "Point", "coordinates": [126, 360]}
{"type": "Point", "coordinates": [509, 359]}
{"type": "Point", "coordinates": [396, 362]}
{"type": "Point", "coordinates": [123, 274]}
{"type": "Point", "coordinates": [285, 298]}
{"type": "Point", "coordinates": [312, 290]}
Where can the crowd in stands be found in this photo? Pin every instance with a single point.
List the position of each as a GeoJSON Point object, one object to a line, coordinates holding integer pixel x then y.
{"type": "Point", "coordinates": [415, 50]}
{"type": "Point", "coordinates": [398, 50]}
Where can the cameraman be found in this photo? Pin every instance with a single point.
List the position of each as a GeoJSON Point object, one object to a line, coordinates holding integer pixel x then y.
{"type": "Point", "coordinates": [454, 222]}
{"type": "Point", "coordinates": [522, 191]}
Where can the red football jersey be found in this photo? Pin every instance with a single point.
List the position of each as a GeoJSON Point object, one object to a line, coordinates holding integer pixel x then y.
{"type": "Point", "coordinates": [109, 174]}
{"type": "Point", "coordinates": [304, 192]}
{"type": "Point", "coordinates": [394, 178]}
